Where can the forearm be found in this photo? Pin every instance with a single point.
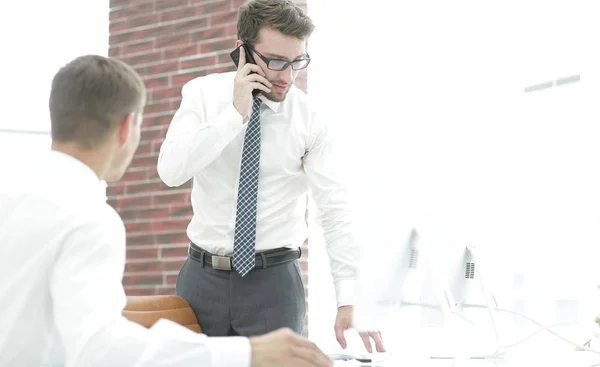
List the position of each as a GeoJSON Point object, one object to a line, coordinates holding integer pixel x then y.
{"type": "Point", "coordinates": [186, 153]}
{"type": "Point", "coordinates": [343, 259]}
{"type": "Point", "coordinates": [165, 344]}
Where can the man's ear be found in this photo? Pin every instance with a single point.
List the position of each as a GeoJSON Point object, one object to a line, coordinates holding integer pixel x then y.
{"type": "Point", "coordinates": [124, 128]}
{"type": "Point", "coordinates": [238, 43]}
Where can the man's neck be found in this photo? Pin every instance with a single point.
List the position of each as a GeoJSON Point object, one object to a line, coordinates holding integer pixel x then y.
{"type": "Point", "coordinates": [93, 158]}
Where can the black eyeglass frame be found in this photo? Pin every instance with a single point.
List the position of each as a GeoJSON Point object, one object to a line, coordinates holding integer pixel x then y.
{"type": "Point", "coordinates": [286, 63]}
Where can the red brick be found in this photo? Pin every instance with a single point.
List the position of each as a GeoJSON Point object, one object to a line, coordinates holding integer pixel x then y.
{"type": "Point", "coordinates": [134, 201]}
{"type": "Point", "coordinates": [182, 211]}
{"type": "Point", "coordinates": [115, 189]}
{"type": "Point", "coordinates": [114, 51]}
{"type": "Point", "coordinates": [146, 58]}
{"type": "Point", "coordinates": [164, 120]}
{"type": "Point", "coordinates": [223, 18]}
{"type": "Point", "coordinates": [112, 201]}
{"type": "Point", "coordinates": [170, 225]}
{"type": "Point", "coordinates": [175, 198]}
{"type": "Point", "coordinates": [215, 7]}
{"type": "Point", "coordinates": [138, 227]}
{"type": "Point", "coordinates": [205, 35]}
{"type": "Point", "coordinates": [136, 279]}
{"type": "Point", "coordinates": [142, 33]}
{"type": "Point", "coordinates": [144, 148]}
{"type": "Point", "coordinates": [150, 252]}
{"type": "Point", "coordinates": [189, 25]}
{"type": "Point", "coordinates": [166, 290]}
{"type": "Point", "coordinates": [220, 45]}
{"type": "Point", "coordinates": [144, 161]}
{"type": "Point", "coordinates": [172, 238]}
{"type": "Point", "coordinates": [178, 51]}
{"type": "Point", "coordinates": [130, 9]}
{"type": "Point", "coordinates": [224, 58]}
{"type": "Point", "coordinates": [143, 291]}
{"type": "Point", "coordinates": [180, 39]}
{"type": "Point", "coordinates": [177, 251]}
{"type": "Point", "coordinates": [137, 47]}
{"type": "Point", "coordinates": [145, 188]}
{"type": "Point", "coordinates": [161, 5]}
{"type": "Point", "coordinates": [175, 103]}
{"type": "Point", "coordinates": [152, 170]}
{"type": "Point", "coordinates": [151, 133]}
{"type": "Point", "coordinates": [236, 3]}
{"type": "Point", "coordinates": [303, 266]}
{"type": "Point", "coordinates": [171, 265]}
{"type": "Point", "coordinates": [198, 62]}
{"type": "Point", "coordinates": [137, 175]}
{"type": "Point", "coordinates": [165, 93]}
{"type": "Point", "coordinates": [160, 68]}
{"type": "Point", "coordinates": [171, 279]}
{"type": "Point", "coordinates": [143, 21]}
{"type": "Point", "coordinates": [155, 82]}
{"type": "Point", "coordinates": [181, 79]}
{"type": "Point", "coordinates": [157, 107]}
{"type": "Point", "coordinates": [221, 69]}
{"type": "Point", "coordinates": [147, 266]}
{"type": "Point", "coordinates": [145, 214]}
{"type": "Point", "coordinates": [177, 14]}
{"type": "Point", "coordinates": [118, 26]}
{"type": "Point", "coordinates": [140, 239]}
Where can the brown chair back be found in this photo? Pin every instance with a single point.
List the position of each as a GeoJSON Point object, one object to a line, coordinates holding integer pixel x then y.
{"type": "Point", "coordinates": [146, 310]}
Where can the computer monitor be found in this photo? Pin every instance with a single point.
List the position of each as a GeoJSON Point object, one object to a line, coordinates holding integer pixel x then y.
{"type": "Point", "coordinates": [462, 271]}
{"type": "Point", "coordinates": [423, 273]}
{"type": "Point", "coordinates": [387, 278]}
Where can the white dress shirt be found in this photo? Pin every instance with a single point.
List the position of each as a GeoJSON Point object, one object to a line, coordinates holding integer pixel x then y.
{"type": "Point", "coordinates": [61, 266]}
{"type": "Point", "coordinates": [204, 142]}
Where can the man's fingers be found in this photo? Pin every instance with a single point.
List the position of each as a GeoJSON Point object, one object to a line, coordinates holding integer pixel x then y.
{"type": "Point", "coordinates": [339, 335]}
{"type": "Point", "coordinates": [376, 336]}
{"type": "Point", "coordinates": [366, 341]}
{"type": "Point", "coordinates": [242, 58]}
{"type": "Point", "coordinates": [260, 86]}
{"type": "Point", "coordinates": [259, 79]}
{"type": "Point", "coordinates": [250, 68]}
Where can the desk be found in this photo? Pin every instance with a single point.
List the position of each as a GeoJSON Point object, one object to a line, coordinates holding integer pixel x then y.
{"type": "Point", "coordinates": [572, 359]}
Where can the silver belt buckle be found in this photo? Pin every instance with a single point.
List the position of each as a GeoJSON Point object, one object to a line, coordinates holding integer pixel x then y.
{"type": "Point", "coordinates": [221, 263]}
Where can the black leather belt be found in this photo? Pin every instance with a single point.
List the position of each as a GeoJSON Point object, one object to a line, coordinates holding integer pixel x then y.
{"type": "Point", "coordinates": [263, 260]}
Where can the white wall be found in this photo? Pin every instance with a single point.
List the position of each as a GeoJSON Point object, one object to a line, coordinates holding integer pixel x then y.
{"type": "Point", "coordinates": [38, 37]}
{"type": "Point", "coordinates": [428, 97]}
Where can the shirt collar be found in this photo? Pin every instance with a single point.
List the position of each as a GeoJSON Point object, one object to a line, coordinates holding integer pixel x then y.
{"type": "Point", "coordinates": [78, 172]}
{"type": "Point", "coordinates": [274, 106]}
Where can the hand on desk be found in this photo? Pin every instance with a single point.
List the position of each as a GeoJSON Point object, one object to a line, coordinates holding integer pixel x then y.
{"type": "Point", "coordinates": [283, 347]}
{"type": "Point", "coordinates": [343, 322]}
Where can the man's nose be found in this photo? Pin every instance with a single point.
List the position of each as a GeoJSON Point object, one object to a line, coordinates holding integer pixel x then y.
{"type": "Point", "coordinates": [287, 75]}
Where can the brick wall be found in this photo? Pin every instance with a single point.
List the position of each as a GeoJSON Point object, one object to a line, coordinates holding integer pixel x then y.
{"type": "Point", "coordinates": [169, 42]}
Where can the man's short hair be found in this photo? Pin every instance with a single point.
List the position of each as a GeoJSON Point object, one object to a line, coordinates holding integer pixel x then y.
{"type": "Point", "coordinates": [90, 96]}
{"type": "Point", "coordinates": [281, 15]}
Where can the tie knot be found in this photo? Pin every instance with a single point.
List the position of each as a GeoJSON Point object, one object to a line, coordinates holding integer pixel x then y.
{"type": "Point", "coordinates": [257, 102]}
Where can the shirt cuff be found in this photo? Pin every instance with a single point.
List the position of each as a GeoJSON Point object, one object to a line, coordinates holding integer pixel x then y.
{"type": "Point", "coordinates": [231, 123]}
{"type": "Point", "coordinates": [229, 351]}
{"type": "Point", "coordinates": [345, 292]}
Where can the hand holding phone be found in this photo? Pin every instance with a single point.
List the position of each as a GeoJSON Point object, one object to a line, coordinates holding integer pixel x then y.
{"type": "Point", "coordinates": [249, 80]}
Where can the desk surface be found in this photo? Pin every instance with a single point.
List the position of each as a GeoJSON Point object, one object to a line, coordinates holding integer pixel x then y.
{"type": "Point", "coordinates": [574, 359]}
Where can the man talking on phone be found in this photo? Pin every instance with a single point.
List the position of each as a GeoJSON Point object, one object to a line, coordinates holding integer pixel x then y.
{"type": "Point", "coordinates": [252, 161]}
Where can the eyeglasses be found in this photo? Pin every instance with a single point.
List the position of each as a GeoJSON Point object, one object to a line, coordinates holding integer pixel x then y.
{"type": "Point", "coordinates": [279, 64]}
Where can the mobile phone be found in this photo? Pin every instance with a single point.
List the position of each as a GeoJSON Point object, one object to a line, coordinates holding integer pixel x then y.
{"type": "Point", "coordinates": [235, 56]}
